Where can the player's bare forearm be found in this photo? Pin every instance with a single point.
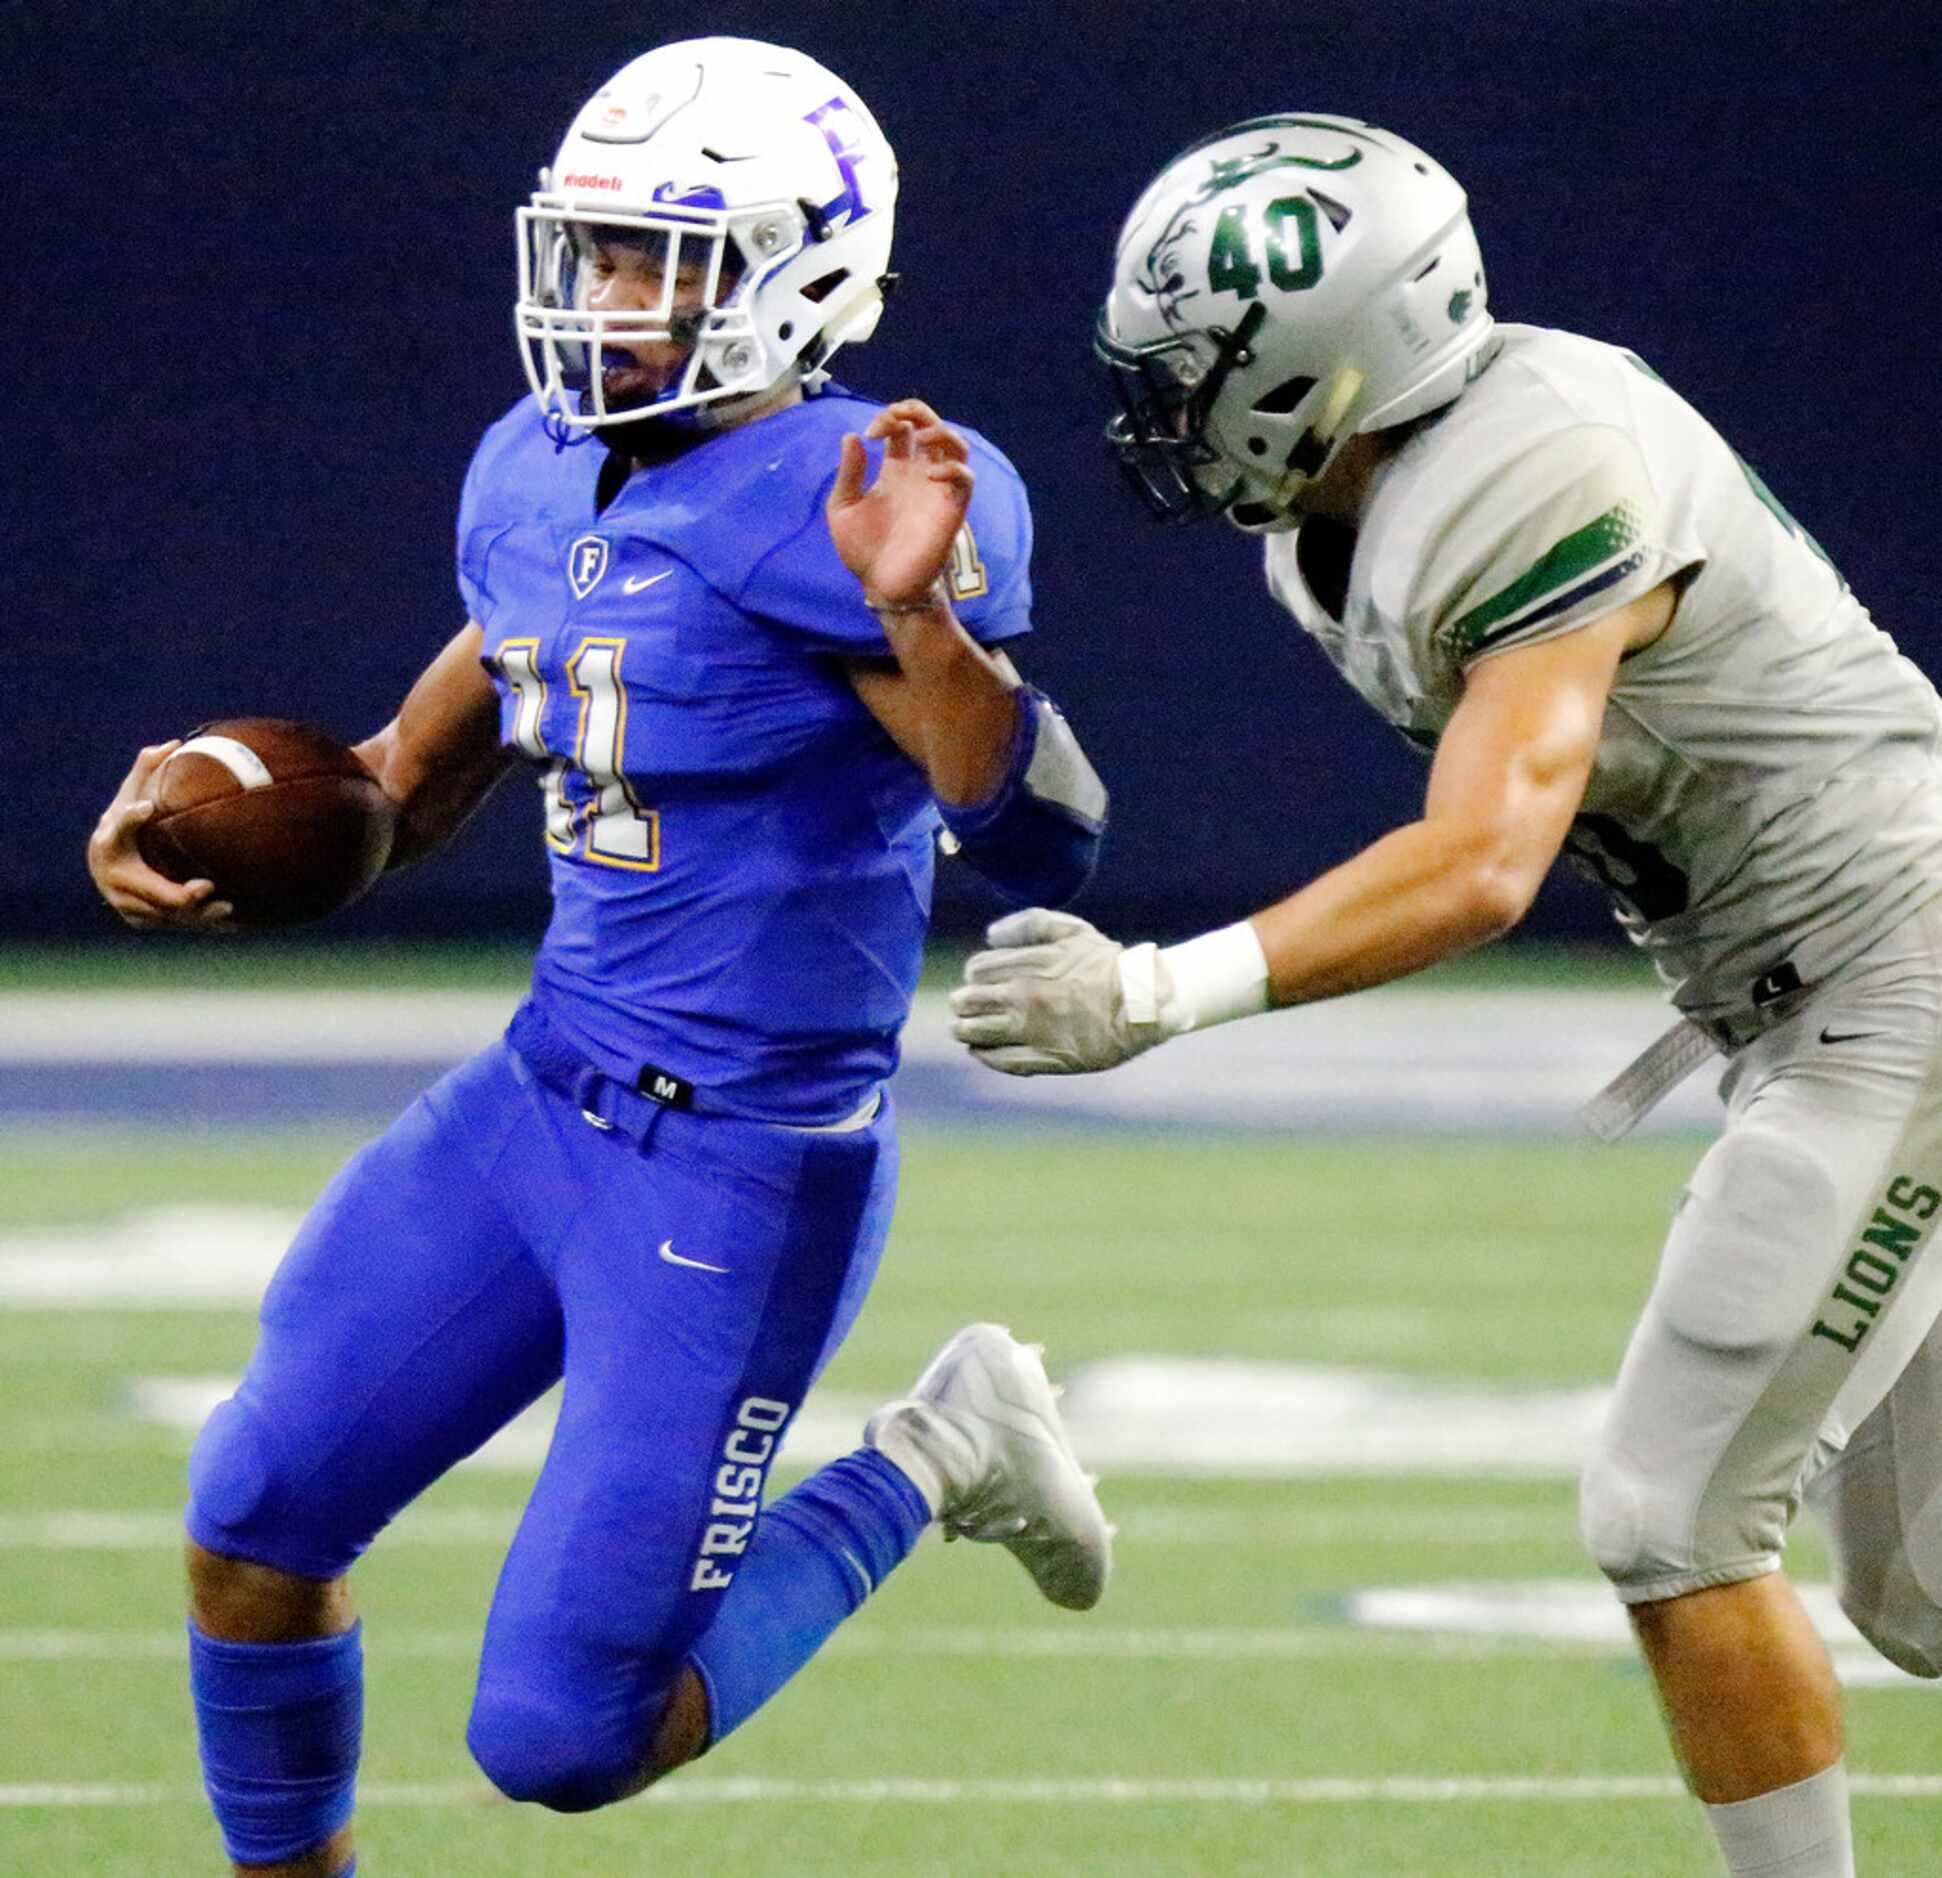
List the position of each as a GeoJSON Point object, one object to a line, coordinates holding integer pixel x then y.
{"type": "Point", "coordinates": [431, 814]}
{"type": "Point", "coordinates": [1510, 773]}
{"type": "Point", "coordinates": [1055, 996]}
{"type": "Point", "coordinates": [950, 704]}
{"type": "Point", "coordinates": [439, 758]}
{"type": "Point", "coordinates": [1420, 895]}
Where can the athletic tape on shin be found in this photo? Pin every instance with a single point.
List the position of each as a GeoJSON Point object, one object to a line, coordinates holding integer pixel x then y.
{"type": "Point", "coordinates": [279, 1727]}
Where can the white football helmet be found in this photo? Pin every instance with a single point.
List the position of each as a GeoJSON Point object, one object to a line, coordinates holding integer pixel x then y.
{"type": "Point", "coordinates": [746, 168]}
{"type": "Point", "coordinates": [1282, 286]}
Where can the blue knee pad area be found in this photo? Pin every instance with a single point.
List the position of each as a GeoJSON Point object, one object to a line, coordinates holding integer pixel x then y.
{"type": "Point", "coordinates": [543, 1747]}
{"type": "Point", "coordinates": [569, 1735]}
{"type": "Point", "coordinates": [279, 1726]}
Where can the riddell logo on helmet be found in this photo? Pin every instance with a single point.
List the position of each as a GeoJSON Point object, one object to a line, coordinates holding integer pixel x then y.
{"type": "Point", "coordinates": [583, 181]}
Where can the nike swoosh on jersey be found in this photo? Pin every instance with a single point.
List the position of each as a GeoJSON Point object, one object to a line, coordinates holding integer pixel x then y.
{"type": "Point", "coordinates": [635, 584]}
{"type": "Point", "coordinates": [1849, 1036]}
{"type": "Point", "coordinates": [672, 1257]}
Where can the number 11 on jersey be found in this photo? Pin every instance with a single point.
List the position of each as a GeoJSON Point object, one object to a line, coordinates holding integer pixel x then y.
{"type": "Point", "coordinates": [599, 818]}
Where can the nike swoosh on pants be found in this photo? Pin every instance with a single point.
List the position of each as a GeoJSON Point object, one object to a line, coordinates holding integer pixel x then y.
{"type": "Point", "coordinates": [672, 1257]}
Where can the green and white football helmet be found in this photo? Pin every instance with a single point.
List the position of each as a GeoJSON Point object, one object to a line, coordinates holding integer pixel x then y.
{"type": "Point", "coordinates": [1281, 287]}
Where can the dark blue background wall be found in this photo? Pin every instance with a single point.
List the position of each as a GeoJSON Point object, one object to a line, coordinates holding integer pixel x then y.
{"type": "Point", "coordinates": [261, 270]}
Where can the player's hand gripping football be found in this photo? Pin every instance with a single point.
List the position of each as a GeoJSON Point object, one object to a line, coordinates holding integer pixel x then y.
{"type": "Point", "coordinates": [896, 535]}
{"type": "Point", "coordinates": [1051, 997]}
{"type": "Point", "coordinates": [144, 898]}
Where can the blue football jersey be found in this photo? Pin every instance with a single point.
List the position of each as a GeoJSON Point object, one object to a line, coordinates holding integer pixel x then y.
{"type": "Point", "coordinates": [741, 857]}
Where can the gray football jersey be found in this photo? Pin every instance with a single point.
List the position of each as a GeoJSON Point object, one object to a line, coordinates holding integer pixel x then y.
{"type": "Point", "coordinates": [1767, 795]}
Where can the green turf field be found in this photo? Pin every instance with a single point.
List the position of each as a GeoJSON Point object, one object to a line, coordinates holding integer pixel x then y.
{"type": "Point", "coordinates": [1215, 1715]}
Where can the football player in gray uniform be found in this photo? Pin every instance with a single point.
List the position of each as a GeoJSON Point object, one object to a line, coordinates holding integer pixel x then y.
{"type": "Point", "coordinates": [1541, 564]}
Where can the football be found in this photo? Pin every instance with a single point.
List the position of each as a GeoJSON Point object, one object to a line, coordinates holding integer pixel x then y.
{"type": "Point", "coordinates": [285, 819]}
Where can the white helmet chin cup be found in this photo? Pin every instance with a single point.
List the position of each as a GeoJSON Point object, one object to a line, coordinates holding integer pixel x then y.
{"type": "Point", "coordinates": [1281, 287]}
{"type": "Point", "coordinates": [757, 181]}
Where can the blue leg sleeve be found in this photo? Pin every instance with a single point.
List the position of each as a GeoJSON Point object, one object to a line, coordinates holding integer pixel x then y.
{"type": "Point", "coordinates": [279, 1726]}
{"type": "Point", "coordinates": [818, 1552]}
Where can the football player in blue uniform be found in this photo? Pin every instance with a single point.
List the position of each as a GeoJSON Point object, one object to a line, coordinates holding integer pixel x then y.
{"type": "Point", "coordinates": [753, 674]}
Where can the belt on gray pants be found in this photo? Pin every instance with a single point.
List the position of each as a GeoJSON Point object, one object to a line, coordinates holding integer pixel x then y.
{"type": "Point", "coordinates": [1671, 1057]}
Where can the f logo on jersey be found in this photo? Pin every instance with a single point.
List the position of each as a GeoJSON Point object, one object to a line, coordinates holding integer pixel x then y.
{"type": "Point", "coordinates": [586, 562]}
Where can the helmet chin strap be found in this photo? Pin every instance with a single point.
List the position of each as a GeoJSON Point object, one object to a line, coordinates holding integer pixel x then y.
{"type": "Point", "coordinates": [1276, 511]}
{"type": "Point", "coordinates": [854, 318]}
{"type": "Point", "coordinates": [1342, 392]}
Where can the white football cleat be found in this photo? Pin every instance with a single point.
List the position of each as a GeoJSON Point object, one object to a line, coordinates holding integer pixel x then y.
{"type": "Point", "coordinates": [982, 1425]}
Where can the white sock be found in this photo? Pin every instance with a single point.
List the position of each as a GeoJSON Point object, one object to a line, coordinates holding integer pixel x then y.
{"type": "Point", "coordinates": [1800, 1831]}
{"type": "Point", "coordinates": [893, 1436]}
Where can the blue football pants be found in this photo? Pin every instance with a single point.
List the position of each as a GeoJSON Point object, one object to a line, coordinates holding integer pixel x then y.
{"type": "Point", "coordinates": [689, 1276]}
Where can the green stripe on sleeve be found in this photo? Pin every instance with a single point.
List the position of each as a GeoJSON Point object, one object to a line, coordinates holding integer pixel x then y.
{"type": "Point", "coordinates": [1568, 561]}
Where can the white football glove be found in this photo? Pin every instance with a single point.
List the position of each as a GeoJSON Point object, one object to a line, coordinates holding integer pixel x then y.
{"type": "Point", "coordinates": [1055, 997]}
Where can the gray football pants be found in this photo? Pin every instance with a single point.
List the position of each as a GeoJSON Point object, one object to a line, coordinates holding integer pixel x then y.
{"type": "Point", "coordinates": [1790, 1347]}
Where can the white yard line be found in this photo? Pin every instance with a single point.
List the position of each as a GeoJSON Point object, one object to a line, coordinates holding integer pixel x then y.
{"type": "Point", "coordinates": [1456, 1620]}
{"type": "Point", "coordinates": [57, 1531]}
{"type": "Point", "coordinates": [1359, 1638]}
{"type": "Point", "coordinates": [699, 1790]}
{"type": "Point", "coordinates": [138, 1646]}
{"type": "Point", "coordinates": [346, 1025]}
{"type": "Point", "coordinates": [1514, 1058]}
{"type": "Point", "coordinates": [148, 1532]}
{"type": "Point", "coordinates": [1158, 1416]}
{"type": "Point", "coordinates": [1449, 1525]}
{"type": "Point", "coordinates": [442, 1024]}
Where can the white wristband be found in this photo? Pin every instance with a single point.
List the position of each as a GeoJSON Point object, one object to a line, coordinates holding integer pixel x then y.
{"type": "Point", "coordinates": [1209, 980]}
{"type": "Point", "coordinates": [1213, 979]}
